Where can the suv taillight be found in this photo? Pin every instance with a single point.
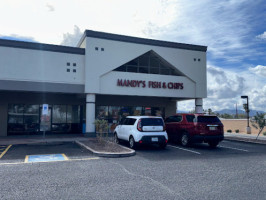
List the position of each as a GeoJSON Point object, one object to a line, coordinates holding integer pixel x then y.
{"type": "Point", "coordinates": [139, 127]}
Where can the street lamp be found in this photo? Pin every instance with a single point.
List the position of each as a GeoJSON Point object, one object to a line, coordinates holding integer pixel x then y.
{"type": "Point", "coordinates": [246, 107]}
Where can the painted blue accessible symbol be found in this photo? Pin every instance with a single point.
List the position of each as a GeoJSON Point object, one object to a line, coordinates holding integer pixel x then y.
{"type": "Point", "coordinates": [46, 158]}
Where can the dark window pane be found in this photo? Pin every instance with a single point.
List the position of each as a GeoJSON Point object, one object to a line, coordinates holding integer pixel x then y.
{"type": "Point", "coordinates": [154, 62]}
{"type": "Point", "coordinates": [121, 69]}
{"type": "Point", "coordinates": [208, 119]}
{"type": "Point", "coordinates": [133, 62]}
{"type": "Point", "coordinates": [190, 118]}
{"type": "Point", "coordinates": [31, 114]}
{"type": "Point", "coordinates": [144, 61]}
{"type": "Point", "coordinates": [164, 71]}
{"type": "Point", "coordinates": [152, 122]}
{"type": "Point", "coordinates": [73, 114]}
{"type": "Point", "coordinates": [143, 70]}
{"type": "Point", "coordinates": [154, 70]}
{"type": "Point", "coordinates": [132, 69]}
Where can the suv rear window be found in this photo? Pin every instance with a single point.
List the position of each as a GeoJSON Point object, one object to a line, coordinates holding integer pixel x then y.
{"type": "Point", "coordinates": [208, 119]}
{"type": "Point", "coordinates": [151, 122]}
{"type": "Point", "coordinates": [190, 118]}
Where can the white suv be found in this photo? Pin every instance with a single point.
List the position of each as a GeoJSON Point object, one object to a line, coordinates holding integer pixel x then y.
{"type": "Point", "coordinates": [141, 130]}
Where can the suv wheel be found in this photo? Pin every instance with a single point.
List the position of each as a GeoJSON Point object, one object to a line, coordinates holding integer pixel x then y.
{"type": "Point", "coordinates": [213, 144]}
{"type": "Point", "coordinates": [132, 143]}
{"type": "Point", "coordinates": [117, 141]}
{"type": "Point", "coordinates": [185, 140]}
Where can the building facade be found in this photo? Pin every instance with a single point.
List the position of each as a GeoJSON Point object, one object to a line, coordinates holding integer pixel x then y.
{"type": "Point", "coordinates": [107, 76]}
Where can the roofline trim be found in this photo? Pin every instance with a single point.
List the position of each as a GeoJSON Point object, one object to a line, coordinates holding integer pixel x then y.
{"type": "Point", "coordinates": [131, 39]}
{"type": "Point", "coordinates": [41, 46]}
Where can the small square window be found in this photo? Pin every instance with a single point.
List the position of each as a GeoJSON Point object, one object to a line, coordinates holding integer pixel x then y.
{"type": "Point", "coordinates": [68, 64]}
{"type": "Point", "coordinates": [74, 64]}
{"type": "Point", "coordinates": [74, 70]}
{"type": "Point", "coordinates": [102, 49]}
{"type": "Point", "coordinates": [96, 48]}
{"type": "Point", "coordinates": [68, 70]}
{"type": "Point", "coordinates": [195, 59]}
{"type": "Point", "coordinates": [199, 59]}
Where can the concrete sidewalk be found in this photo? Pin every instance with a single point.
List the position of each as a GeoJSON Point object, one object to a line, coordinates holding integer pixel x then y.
{"type": "Point", "coordinates": [40, 139]}
{"type": "Point", "coordinates": [243, 137]}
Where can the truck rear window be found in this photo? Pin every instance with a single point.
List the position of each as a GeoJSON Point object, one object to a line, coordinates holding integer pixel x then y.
{"type": "Point", "coordinates": [208, 119]}
{"type": "Point", "coordinates": [151, 122]}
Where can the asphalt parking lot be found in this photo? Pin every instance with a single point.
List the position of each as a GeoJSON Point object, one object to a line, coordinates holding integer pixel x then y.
{"type": "Point", "coordinates": [234, 170]}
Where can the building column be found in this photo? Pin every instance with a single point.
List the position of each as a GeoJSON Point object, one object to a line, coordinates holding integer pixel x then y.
{"type": "Point", "coordinates": [198, 106]}
{"type": "Point", "coordinates": [90, 113]}
{"type": "Point", "coordinates": [3, 119]}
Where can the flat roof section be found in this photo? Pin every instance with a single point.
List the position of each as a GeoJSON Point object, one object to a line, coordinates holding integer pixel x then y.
{"type": "Point", "coordinates": [123, 38]}
{"type": "Point", "coordinates": [41, 46]}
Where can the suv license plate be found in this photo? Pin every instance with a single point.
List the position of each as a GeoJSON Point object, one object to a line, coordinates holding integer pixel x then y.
{"type": "Point", "coordinates": [154, 139]}
{"type": "Point", "coordinates": [212, 128]}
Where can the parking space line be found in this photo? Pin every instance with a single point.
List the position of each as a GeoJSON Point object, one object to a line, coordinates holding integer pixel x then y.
{"type": "Point", "coordinates": [4, 152]}
{"type": "Point", "coordinates": [184, 149]}
{"type": "Point", "coordinates": [233, 148]}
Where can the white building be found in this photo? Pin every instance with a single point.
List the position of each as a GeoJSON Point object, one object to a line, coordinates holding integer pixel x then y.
{"type": "Point", "coordinates": [107, 76]}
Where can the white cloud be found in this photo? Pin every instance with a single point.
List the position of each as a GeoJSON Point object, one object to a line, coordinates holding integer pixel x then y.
{"type": "Point", "coordinates": [262, 36]}
{"type": "Point", "coordinates": [259, 70]}
{"type": "Point", "coordinates": [222, 26]}
{"type": "Point", "coordinates": [50, 7]}
{"type": "Point", "coordinates": [72, 39]}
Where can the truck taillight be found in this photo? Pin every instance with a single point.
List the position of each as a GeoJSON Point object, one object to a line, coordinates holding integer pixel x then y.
{"type": "Point", "coordinates": [139, 127]}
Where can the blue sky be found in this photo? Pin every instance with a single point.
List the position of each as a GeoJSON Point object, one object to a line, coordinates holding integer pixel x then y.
{"type": "Point", "coordinates": [233, 30]}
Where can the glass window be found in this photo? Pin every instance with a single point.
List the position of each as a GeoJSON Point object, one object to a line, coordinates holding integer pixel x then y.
{"type": "Point", "coordinates": [164, 71]}
{"type": "Point", "coordinates": [143, 70]}
{"type": "Point", "coordinates": [143, 61]}
{"type": "Point", "coordinates": [137, 111]}
{"type": "Point", "coordinates": [190, 118]}
{"type": "Point", "coordinates": [133, 62]}
{"type": "Point", "coordinates": [102, 112]}
{"type": "Point", "coordinates": [59, 113]}
{"type": "Point", "coordinates": [208, 119]}
{"type": "Point", "coordinates": [31, 114]}
{"type": "Point", "coordinates": [154, 70]}
{"type": "Point", "coordinates": [15, 113]}
{"type": "Point", "coordinates": [132, 69]}
{"type": "Point", "coordinates": [152, 122]}
{"type": "Point", "coordinates": [154, 62]}
{"type": "Point", "coordinates": [73, 114]}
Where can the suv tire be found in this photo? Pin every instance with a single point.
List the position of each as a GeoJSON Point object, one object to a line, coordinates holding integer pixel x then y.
{"type": "Point", "coordinates": [162, 145]}
{"type": "Point", "coordinates": [213, 144]}
{"type": "Point", "coordinates": [132, 143]}
{"type": "Point", "coordinates": [184, 140]}
{"type": "Point", "coordinates": [116, 139]}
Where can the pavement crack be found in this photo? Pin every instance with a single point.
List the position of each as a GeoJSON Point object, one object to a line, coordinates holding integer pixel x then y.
{"type": "Point", "coordinates": [157, 183]}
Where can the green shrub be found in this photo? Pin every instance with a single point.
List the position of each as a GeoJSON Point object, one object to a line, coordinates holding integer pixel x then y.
{"type": "Point", "coordinates": [237, 130]}
{"type": "Point", "coordinates": [229, 131]}
{"type": "Point", "coordinates": [264, 133]}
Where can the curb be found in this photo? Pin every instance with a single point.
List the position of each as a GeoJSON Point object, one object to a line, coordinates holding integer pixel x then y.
{"type": "Point", "coordinates": [108, 154]}
{"type": "Point", "coordinates": [245, 140]}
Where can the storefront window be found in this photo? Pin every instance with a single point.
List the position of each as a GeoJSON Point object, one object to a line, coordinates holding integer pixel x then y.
{"type": "Point", "coordinates": [102, 112]}
{"type": "Point", "coordinates": [73, 114]}
{"type": "Point", "coordinates": [147, 111]}
{"type": "Point", "coordinates": [15, 113]}
{"type": "Point", "coordinates": [137, 111]}
{"type": "Point", "coordinates": [59, 113]}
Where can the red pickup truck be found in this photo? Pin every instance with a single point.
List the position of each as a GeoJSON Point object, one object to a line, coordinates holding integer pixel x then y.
{"type": "Point", "coordinates": [194, 128]}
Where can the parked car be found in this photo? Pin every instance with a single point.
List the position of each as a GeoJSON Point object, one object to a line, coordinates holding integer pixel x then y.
{"type": "Point", "coordinates": [141, 130]}
{"type": "Point", "coordinates": [195, 128]}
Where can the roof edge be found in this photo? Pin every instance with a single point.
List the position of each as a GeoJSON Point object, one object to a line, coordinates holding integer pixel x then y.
{"type": "Point", "coordinates": [41, 46]}
{"type": "Point", "coordinates": [131, 39]}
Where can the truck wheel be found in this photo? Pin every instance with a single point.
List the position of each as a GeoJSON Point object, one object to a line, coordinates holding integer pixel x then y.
{"type": "Point", "coordinates": [213, 144]}
{"type": "Point", "coordinates": [185, 140]}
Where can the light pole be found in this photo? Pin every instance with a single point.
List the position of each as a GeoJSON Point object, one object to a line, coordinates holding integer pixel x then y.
{"type": "Point", "coordinates": [246, 107]}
